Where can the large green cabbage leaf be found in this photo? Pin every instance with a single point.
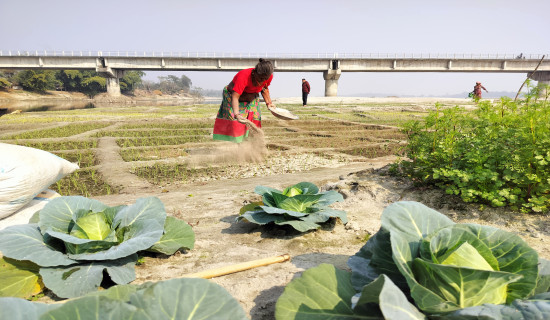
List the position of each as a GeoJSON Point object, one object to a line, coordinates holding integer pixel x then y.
{"type": "Point", "coordinates": [25, 242]}
{"type": "Point", "coordinates": [325, 292]}
{"type": "Point", "coordinates": [172, 299]}
{"type": "Point", "coordinates": [80, 279]}
{"type": "Point", "coordinates": [177, 235]}
{"type": "Point", "coordinates": [534, 308]}
{"type": "Point", "coordinates": [19, 278]}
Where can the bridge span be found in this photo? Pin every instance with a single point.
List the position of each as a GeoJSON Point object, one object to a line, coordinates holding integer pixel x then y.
{"type": "Point", "coordinates": [113, 64]}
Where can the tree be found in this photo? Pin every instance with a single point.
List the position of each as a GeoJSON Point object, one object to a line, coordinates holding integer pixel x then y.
{"type": "Point", "coordinates": [93, 85]}
{"type": "Point", "coordinates": [131, 80]}
{"type": "Point", "coordinates": [186, 83]}
{"type": "Point", "coordinates": [38, 81]}
{"type": "Point", "coordinates": [71, 79]}
{"type": "Point", "coordinates": [4, 84]}
{"type": "Point", "coordinates": [172, 84]}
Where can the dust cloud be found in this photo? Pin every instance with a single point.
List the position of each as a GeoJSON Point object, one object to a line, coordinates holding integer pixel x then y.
{"type": "Point", "coordinates": [253, 149]}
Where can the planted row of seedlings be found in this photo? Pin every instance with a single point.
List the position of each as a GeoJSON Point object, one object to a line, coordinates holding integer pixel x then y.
{"type": "Point", "coordinates": [151, 153]}
{"type": "Point", "coordinates": [59, 132]}
{"type": "Point", "coordinates": [158, 141]}
{"type": "Point", "coordinates": [152, 132]}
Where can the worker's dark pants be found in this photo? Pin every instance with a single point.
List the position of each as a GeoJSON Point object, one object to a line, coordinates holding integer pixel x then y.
{"type": "Point", "coordinates": [304, 98]}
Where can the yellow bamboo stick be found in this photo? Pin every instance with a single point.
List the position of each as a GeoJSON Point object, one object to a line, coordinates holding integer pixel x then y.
{"type": "Point", "coordinates": [238, 267]}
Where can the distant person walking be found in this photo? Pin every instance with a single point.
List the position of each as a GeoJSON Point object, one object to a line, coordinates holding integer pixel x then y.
{"type": "Point", "coordinates": [241, 102]}
{"type": "Point", "coordinates": [477, 91]}
{"type": "Point", "coordinates": [305, 91]}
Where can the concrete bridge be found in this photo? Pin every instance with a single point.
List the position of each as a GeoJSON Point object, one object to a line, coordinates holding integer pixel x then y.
{"type": "Point", "coordinates": [113, 64]}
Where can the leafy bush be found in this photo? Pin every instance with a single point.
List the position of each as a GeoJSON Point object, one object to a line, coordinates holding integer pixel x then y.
{"type": "Point", "coordinates": [76, 240]}
{"type": "Point", "coordinates": [301, 206]}
{"type": "Point", "coordinates": [4, 84]}
{"type": "Point", "coordinates": [455, 271]}
{"type": "Point", "coordinates": [497, 154]}
{"type": "Point", "coordinates": [170, 299]}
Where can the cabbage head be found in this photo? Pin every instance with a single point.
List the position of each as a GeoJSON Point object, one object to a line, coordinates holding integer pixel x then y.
{"type": "Point", "coordinates": [77, 240]}
{"type": "Point", "coordinates": [420, 265]}
{"type": "Point", "coordinates": [301, 206]}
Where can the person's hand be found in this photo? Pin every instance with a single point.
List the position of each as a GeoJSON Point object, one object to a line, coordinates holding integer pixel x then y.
{"type": "Point", "coordinates": [239, 117]}
{"type": "Point", "coordinates": [271, 106]}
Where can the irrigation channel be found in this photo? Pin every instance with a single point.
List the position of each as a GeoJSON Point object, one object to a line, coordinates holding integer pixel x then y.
{"type": "Point", "coordinates": [130, 152]}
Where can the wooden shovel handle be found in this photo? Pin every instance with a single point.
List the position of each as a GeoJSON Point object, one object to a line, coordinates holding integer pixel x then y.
{"type": "Point", "coordinates": [238, 267]}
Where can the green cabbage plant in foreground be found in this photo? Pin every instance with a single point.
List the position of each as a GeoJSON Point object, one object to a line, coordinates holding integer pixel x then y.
{"type": "Point", "coordinates": [449, 270]}
{"type": "Point", "coordinates": [301, 206]}
{"type": "Point", "coordinates": [76, 241]}
{"type": "Point", "coordinates": [170, 299]}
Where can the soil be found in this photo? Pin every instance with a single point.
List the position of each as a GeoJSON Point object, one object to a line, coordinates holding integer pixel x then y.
{"type": "Point", "coordinates": [211, 207]}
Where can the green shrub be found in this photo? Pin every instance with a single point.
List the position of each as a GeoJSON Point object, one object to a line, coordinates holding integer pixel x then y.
{"type": "Point", "coordinates": [497, 154]}
{"type": "Point", "coordinates": [4, 84]}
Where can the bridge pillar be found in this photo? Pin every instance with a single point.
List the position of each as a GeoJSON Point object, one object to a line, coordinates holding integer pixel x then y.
{"type": "Point", "coordinates": [113, 79]}
{"type": "Point", "coordinates": [331, 77]}
{"type": "Point", "coordinates": [542, 78]}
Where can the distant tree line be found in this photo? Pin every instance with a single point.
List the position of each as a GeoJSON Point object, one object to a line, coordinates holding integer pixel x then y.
{"type": "Point", "coordinates": [85, 81]}
{"type": "Point", "coordinates": [91, 83]}
{"type": "Point", "coordinates": [169, 84]}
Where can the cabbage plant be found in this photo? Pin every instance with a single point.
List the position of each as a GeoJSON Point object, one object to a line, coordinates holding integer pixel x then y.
{"type": "Point", "coordinates": [455, 271]}
{"type": "Point", "coordinates": [170, 299]}
{"type": "Point", "coordinates": [77, 240]}
{"type": "Point", "coordinates": [301, 206]}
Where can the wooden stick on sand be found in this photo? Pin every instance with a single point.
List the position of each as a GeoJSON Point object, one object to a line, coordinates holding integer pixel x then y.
{"type": "Point", "coordinates": [238, 267]}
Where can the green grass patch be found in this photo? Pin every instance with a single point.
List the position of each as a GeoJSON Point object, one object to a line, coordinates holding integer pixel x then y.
{"type": "Point", "coordinates": [61, 145]}
{"type": "Point", "coordinates": [58, 132]}
{"type": "Point", "coordinates": [158, 141]}
{"type": "Point", "coordinates": [84, 182]}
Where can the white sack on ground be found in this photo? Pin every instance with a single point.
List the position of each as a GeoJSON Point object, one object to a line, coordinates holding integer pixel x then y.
{"type": "Point", "coordinates": [23, 215]}
{"type": "Point", "coordinates": [25, 172]}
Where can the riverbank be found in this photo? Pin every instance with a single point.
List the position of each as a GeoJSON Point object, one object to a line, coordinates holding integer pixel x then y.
{"type": "Point", "coordinates": [63, 100]}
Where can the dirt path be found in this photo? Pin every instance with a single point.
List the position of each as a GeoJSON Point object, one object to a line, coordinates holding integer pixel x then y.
{"type": "Point", "coordinates": [115, 171]}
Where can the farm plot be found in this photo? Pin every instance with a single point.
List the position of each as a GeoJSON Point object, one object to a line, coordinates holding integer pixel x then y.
{"type": "Point", "coordinates": [209, 194]}
{"type": "Point", "coordinates": [173, 146]}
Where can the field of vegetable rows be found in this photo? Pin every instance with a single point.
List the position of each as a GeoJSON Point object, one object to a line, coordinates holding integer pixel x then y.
{"type": "Point", "coordinates": [155, 144]}
{"type": "Point", "coordinates": [167, 152]}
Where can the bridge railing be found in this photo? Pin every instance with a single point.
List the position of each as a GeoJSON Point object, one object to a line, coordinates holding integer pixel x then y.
{"type": "Point", "coordinates": [188, 54]}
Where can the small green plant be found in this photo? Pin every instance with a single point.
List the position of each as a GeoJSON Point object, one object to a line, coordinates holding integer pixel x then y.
{"type": "Point", "coordinates": [301, 206]}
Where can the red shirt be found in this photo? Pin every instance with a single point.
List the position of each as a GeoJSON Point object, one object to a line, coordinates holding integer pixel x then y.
{"type": "Point", "coordinates": [305, 87]}
{"type": "Point", "coordinates": [242, 82]}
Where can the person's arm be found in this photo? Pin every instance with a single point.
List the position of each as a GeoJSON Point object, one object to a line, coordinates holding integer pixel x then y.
{"type": "Point", "coordinates": [484, 89]}
{"type": "Point", "coordinates": [308, 87]}
{"type": "Point", "coordinates": [235, 106]}
{"type": "Point", "coordinates": [267, 98]}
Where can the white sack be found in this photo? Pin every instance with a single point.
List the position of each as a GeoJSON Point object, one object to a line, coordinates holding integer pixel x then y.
{"type": "Point", "coordinates": [25, 172]}
{"type": "Point", "coordinates": [23, 215]}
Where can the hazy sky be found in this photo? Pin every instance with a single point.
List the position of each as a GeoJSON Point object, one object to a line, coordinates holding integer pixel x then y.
{"type": "Point", "coordinates": [343, 26]}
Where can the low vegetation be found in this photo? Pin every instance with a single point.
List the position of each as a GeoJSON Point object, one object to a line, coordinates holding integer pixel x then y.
{"type": "Point", "coordinates": [498, 154]}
